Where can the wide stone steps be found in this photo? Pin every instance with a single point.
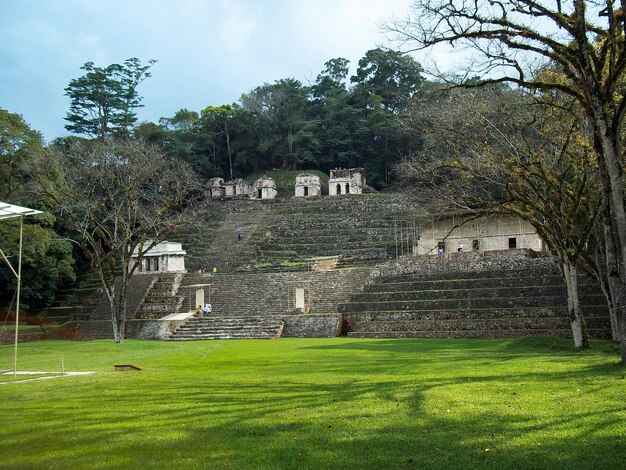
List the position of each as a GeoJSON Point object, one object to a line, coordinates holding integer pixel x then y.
{"type": "Point", "coordinates": [444, 301]}
{"type": "Point", "coordinates": [216, 327]}
{"type": "Point", "coordinates": [474, 334]}
{"type": "Point", "coordinates": [586, 293]}
{"type": "Point", "coordinates": [487, 323]}
{"type": "Point", "coordinates": [553, 301]}
{"type": "Point", "coordinates": [498, 280]}
{"type": "Point", "coordinates": [591, 311]}
{"type": "Point", "coordinates": [161, 299]}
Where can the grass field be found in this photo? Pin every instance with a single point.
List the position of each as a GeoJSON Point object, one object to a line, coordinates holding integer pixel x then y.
{"type": "Point", "coordinates": [317, 403]}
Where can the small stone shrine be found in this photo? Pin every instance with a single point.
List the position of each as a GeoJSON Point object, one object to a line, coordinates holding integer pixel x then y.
{"type": "Point", "coordinates": [308, 185]}
{"type": "Point", "coordinates": [236, 187]}
{"type": "Point", "coordinates": [220, 189]}
{"type": "Point", "coordinates": [263, 188]}
{"type": "Point", "coordinates": [165, 257]}
{"type": "Point", "coordinates": [216, 187]}
{"type": "Point", "coordinates": [346, 181]}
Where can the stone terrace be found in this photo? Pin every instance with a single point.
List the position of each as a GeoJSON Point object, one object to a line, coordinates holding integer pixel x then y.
{"type": "Point", "coordinates": [257, 305]}
{"type": "Point", "coordinates": [360, 228]}
{"type": "Point", "coordinates": [472, 297]}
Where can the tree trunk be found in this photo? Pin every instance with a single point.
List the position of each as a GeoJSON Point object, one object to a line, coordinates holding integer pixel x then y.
{"type": "Point", "coordinates": [614, 219]}
{"type": "Point", "coordinates": [577, 322]}
{"type": "Point", "coordinates": [230, 155]}
{"type": "Point", "coordinates": [609, 283]}
{"type": "Point", "coordinates": [120, 323]}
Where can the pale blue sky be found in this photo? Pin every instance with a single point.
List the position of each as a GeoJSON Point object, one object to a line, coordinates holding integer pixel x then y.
{"type": "Point", "coordinates": [209, 51]}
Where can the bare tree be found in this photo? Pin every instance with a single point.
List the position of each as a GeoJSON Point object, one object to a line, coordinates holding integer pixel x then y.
{"type": "Point", "coordinates": [490, 151]}
{"type": "Point", "coordinates": [120, 197]}
{"type": "Point", "coordinates": [585, 40]}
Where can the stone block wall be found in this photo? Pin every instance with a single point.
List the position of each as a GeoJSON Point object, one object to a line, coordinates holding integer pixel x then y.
{"type": "Point", "coordinates": [305, 326]}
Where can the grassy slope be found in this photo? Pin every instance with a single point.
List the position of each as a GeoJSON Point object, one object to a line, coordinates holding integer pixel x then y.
{"type": "Point", "coordinates": [318, 403]}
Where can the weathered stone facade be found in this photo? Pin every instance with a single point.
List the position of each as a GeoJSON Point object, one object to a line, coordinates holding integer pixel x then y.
{"type": "Point", "coordinates": [308, 185]}
{"type": "Point", "coordinates": [305, 326]}
{"type": "Point", "coordinates": [218, 188]}
{"type": "Point", "coordinates": [263, 188]}
{"type": "Point", "coordinates": [346, 181]}
{"type": "Point", "coordinates": [165, 257]}
{"type": "Point", "coordinates": [476, 234]}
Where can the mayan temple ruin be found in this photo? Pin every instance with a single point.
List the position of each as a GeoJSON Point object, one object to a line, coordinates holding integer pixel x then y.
{"type": "Point", "coordinates": [337, 260]}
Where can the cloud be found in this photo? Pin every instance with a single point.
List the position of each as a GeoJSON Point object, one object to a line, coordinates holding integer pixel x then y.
{"type": "Point", "coordinates": [208, 51]}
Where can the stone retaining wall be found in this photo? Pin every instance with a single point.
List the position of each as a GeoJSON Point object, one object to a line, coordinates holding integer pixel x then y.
{"type": "Point", "coordinates": [304, 326]}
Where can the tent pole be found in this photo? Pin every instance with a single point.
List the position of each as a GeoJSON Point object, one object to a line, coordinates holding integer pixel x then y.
{"type": "Point", "coordinates": [17, 306]}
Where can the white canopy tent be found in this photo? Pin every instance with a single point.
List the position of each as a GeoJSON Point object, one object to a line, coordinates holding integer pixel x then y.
{"type": "Point", "coordinates": [7, 212]}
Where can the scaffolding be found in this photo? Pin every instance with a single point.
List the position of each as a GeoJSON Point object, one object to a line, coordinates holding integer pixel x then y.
{"type": "Point", "coordinates": [9, 212]}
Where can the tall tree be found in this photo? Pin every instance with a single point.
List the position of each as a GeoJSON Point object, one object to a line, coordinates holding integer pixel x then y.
{"type": "Point", "coordinates": [285, 125]}
{"type": "Point", "coordinates": [47, 261]}
{"type": "Point", "coordinates": [18, 142]}
{"type": "Point", "coordinates": [387, 79]}
{"type": "Point", "coordinates": [338, 120]}
{"type": "Point", "coordinates": [385, 83]}
{"type": "Point", "coordinates": [118, 197]}
{"type": "Point", "coordinates": [490, 151]}
{"type": "Point", "coordinates": [102, 102]}
{"type": "Point", "coordinates": [587, 42]}
{"type": "Point", "coordinates": [217, 122]}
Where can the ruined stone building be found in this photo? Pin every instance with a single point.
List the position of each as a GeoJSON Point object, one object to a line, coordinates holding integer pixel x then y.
{"type": "Point", "coordinates": [165, 257]}
{"type": "Point", "coordinates": [263, 188]}
{"type": "Point", "coordinates": [346, 181]}
{"type": "Point", "coordinates": [308, 185]}
{"type": "Point", "coordinates": [218, 188]}
{"type": "Point", "coordinates": [490, 233]}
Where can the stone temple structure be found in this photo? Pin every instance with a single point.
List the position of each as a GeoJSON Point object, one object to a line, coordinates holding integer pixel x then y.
{"type": "Point", "coordinates": [346, 181]}
{"type": "Point", "coordinates": [308, 185]}
{"type": "Point", "coordinates": [220, 189]}
{"type": "Point", "coordinates": [216, 187]}
{"type": "Point", "coordinates": [165, 257]}
{"type": "Point", "coordinates": [263, 188]}
{"type": "Point", "coordinates": [465, 231]}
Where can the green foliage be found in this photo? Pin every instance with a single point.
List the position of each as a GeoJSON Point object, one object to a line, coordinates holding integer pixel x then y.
{"type": "Point", "coordinates": [47, 262]}
{"type": "Point", "coordinates": [18, 143]}
{"type": "Point", "coordinates": [387, 79]}
{"type": "Point", "coordinates": [316, 403]}
{"type": "Point", "coordinates": [290, 126]}
{"type": "Point", "coordinates": [102, 102]}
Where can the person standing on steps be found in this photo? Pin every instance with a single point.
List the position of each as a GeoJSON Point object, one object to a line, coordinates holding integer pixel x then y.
{"type": "Point", "coordinates": [214, 270]}
{"type": "Point", "coordinates": [238, 235]}
{"type": "Point", "coordinates": [460, 247]}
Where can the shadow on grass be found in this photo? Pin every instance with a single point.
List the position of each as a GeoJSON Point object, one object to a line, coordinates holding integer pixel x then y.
{"type": "Point", "coordinates": [335, 404]}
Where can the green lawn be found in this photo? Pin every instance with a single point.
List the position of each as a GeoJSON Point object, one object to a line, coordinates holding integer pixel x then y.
{"type": "Point", "coordinates": [317, 403]}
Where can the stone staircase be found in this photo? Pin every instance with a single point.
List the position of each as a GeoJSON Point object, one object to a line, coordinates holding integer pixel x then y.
{"type": "Point", "coordinates": [162, 297]}
{"type": "Point", "coordinates": [258, 303]}
{"type": "Point", "coordinates": [239, 327]}
{"type": "Point", "coordinates": [454, 302]}
{"type": "Point", "coordinates": [271, 293]}
{"type": "Point", "coordinates": [212, 242]}
{"type": "Point", "coordinates": [359, 228]}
